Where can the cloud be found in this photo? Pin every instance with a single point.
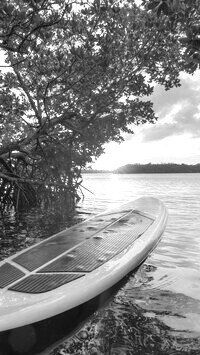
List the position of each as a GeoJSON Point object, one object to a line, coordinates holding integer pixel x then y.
{"type": "Point", "coordinates": [178, 111]}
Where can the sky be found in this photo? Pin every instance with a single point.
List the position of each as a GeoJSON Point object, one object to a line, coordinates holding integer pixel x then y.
{"type": "Point", "coordinates": [174, 138]}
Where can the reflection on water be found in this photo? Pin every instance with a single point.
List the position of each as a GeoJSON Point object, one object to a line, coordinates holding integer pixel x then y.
{"type": "Point", "coordinates": [139, 320]}
{"type": "Point", "coordinates": [157, 311]}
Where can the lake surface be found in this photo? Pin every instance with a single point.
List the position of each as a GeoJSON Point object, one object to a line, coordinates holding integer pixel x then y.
{"type": "Point", "coordinates": [157, 310]}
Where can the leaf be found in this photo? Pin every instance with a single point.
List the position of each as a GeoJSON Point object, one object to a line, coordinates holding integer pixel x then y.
{"type": "Point", "coordinates": [195, 43]}
{"type": "Point", "coordinates": [152, 4]}
{"type": "Point", "coordinates": [69, 8]}
{"type": "Point", "coordinates": [184, 40]}
{"type": "Point", "coordinates": [196, 58]}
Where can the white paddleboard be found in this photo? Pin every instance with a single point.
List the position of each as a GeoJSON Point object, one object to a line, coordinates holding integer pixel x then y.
{"type": "Point", "coordinates": [79, 263]}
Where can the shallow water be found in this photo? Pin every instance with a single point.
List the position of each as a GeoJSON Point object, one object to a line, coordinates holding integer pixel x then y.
{"type": "Point", "coordinates": [157, 310]}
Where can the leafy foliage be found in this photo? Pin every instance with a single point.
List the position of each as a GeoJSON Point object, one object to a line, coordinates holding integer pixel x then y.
{"type": "Point", "coordinates": [74, 78]}
{"type": "Point", "coordinates": [182, 17]}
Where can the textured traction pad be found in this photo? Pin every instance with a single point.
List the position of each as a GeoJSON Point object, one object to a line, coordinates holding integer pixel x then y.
{"type": "Point", "coordinates": [9, 274]}
{"type": "Point", "coordinates": [102, 238]}
{"type": "Point", "coordinates": [53, 247]}
{"type": "Point", "coordinates": [101, 248]}
{"type": "Point", "coordinates": [43, 283]}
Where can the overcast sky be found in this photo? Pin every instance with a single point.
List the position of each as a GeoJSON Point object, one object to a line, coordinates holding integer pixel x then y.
{"type": "Point", "coordinates": [174, 138]}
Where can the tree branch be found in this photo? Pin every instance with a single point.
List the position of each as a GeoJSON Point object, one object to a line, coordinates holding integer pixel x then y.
{"type": "Point", "coordinates": [42, 25]}
{"type": "Point", "coordinates": [33, 182]}
{"type": "Point", "coordinates": [25, 88]}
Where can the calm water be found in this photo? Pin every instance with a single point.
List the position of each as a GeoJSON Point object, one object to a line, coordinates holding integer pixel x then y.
{"type": "Point", "coordinates": [157, 310]}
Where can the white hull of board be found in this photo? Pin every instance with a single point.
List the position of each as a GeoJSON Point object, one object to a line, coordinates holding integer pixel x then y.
{"type": "Point", "coordinates": [19, 309]}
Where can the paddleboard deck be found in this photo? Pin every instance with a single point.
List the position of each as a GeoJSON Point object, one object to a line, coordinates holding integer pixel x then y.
{"type": "Point", "coordinates": [78, 263]}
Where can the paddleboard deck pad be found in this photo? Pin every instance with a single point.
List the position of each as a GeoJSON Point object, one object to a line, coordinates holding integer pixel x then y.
{"type": "Point", "coordinates": [78, 263]}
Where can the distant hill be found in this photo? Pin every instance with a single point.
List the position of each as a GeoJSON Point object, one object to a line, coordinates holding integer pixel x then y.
{"type": "Point", "coordinates": [157, 168]}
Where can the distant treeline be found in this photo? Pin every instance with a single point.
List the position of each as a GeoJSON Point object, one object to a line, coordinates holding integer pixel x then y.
{"type": "Point", "coordinates": [95, 171]}
{"type": "Point", "coordinates": [157, 168]}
